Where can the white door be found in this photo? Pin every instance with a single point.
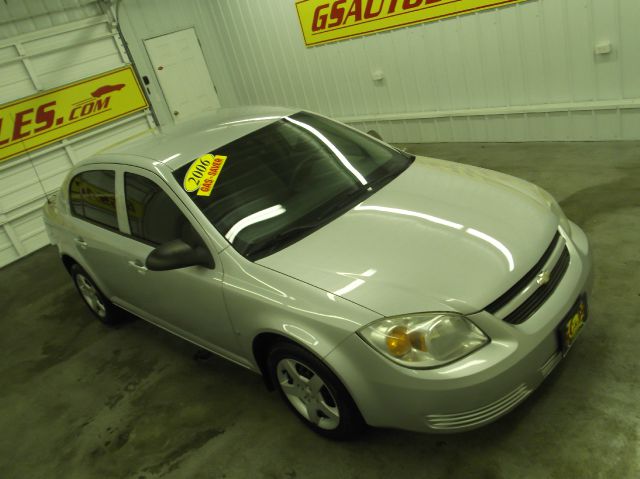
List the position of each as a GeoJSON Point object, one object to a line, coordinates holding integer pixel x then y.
{"type": "Point", "coordinates": [182, 73]}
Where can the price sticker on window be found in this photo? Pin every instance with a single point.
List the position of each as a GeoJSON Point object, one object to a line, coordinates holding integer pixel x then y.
{"type": "Point", "coordinates": [203, 174]}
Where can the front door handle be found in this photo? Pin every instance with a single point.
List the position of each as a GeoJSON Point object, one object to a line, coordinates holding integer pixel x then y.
{"type": "Point", "coordinates": [138, 266]}
{"type": "Point", "coordinates": [80, 242]}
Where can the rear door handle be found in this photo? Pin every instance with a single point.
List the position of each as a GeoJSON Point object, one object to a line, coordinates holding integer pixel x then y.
{"type": "Point", "coordinates": [138, 266]}
{"type": "Point", "coordinates": [80, 242]}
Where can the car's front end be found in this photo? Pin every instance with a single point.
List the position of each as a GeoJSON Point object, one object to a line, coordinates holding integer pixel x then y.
{"type": "Point", "coordinates": [525, 340]}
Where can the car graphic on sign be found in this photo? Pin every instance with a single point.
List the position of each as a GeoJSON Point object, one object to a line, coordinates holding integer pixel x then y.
{"type": "Point", "coordinates": [103, 90]}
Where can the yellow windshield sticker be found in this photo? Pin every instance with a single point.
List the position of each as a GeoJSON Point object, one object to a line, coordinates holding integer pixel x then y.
{"type": "Point", "coordinates": [212, 175]}
{"type": "Point", "coordinates": [203, 174]}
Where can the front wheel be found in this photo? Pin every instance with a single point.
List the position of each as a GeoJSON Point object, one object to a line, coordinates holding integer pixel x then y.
{"type": "Point", "coordinates": [313, 392]}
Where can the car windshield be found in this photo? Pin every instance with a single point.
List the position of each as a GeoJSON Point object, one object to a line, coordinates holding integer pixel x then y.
{"type": "Point", "coordinates": [280, 183]}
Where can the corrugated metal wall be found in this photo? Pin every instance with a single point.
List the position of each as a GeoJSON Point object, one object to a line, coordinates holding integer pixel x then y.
{"type": "Point", "coordinates": [517, 73]}
{"type": "Point", "coordinates": [45, 44]}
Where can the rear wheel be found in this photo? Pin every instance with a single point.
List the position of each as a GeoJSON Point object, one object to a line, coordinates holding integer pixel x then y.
{"type": "Point", "coordinates": [313, 392]}
{"type": "Point", "coordinates": [99, 305]}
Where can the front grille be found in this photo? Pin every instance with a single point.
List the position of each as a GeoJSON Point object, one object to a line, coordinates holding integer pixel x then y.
{"type": "Point", "coordinates": [533, 302]}
{"type": "Point", "coordinates": [515, 290]}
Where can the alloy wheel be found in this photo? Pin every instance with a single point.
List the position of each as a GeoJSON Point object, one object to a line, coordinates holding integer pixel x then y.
{"type": "Point", "coordinates": [308, 394]}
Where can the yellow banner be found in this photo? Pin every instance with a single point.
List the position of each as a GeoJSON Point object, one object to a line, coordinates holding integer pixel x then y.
{"type": "Point", "coordinates": [41, 119]}
{"type": "Point", "coordinates": [325, 21]}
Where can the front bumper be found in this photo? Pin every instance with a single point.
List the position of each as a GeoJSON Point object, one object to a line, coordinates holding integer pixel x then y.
{"type": "Point", "coordinates": [477, 389]}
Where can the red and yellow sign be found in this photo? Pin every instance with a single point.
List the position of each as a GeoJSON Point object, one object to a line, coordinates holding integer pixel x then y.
{"type": "Point", "coordinates": [203, 174]}
{"type": "Point", "coordinates": [41, 119]}
{"type": "Point", "coordinates": [325, 21]}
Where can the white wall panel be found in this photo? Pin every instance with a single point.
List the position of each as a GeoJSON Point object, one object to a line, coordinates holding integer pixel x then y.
{"type": "Point", "coordinates": [14, 81]}
{"type": "Point", "coordinates": [522, 72]}
{"type": "Point", "coordinates": [7, 250]}
{"type": "Point", "coordinates": [19, 17]}
{"type": "Point", "coordinates": [51, 169]}
{"type": "Point", "coordinates": [44, 44]}
{"type": "Point", "coordinates": [58, 68]}
{"type": "Point", "coordinates": [30, 232]}
{"type": "Point", "coordinates": [144, 19]}
{"type": "Point", "coordinates": [8, 53]}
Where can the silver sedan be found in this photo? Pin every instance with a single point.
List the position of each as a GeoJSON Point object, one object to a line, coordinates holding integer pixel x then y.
{"type": "Point", "coordinates": [366, 285]}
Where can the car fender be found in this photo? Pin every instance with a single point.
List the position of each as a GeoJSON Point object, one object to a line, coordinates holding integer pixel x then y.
{"type": "Point", "coordinates": [262, 301]}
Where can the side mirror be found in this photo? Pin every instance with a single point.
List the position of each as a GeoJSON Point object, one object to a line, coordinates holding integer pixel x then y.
{"type": "Point", "coordinates": [178, 254]}
{"type": "Point", "coordinates": [375, 134]}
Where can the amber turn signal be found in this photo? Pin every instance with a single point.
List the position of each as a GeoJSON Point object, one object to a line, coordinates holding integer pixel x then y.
{"type": "Point", "coordinates": [398, 341]}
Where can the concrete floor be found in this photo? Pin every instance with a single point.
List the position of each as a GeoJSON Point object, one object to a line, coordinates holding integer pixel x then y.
{"type": "Point", "coordinates": [78, 400]}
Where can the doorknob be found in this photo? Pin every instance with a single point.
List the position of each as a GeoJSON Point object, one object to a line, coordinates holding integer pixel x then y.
{"type": "Point", "coordinates": [138, 266]}
{"type": "Point", "coordinates": [80, 242]}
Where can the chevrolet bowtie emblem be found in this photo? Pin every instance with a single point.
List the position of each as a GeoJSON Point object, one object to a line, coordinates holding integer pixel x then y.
{"type": "Point", "coordinates": [543, 278]}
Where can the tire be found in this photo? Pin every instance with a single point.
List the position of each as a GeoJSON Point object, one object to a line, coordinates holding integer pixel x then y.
{"type": "Point", "coordinates": [97, 303]}
{"type": "Point", "coordinates": [313, 392]}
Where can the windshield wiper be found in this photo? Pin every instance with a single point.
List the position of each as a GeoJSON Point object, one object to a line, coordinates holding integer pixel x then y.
{"type": "Point", "coordinates": [341, 202]}
{"type": "Point", "coordinates": [404, 153]}
{"type": "Point", "coordinates": [280, 240]}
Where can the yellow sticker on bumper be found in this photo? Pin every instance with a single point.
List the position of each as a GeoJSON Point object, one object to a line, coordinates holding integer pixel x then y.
{"type": "Point", "coordinates": [203, 174]}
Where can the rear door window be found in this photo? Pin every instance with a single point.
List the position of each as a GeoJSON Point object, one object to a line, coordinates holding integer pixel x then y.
{"type": "Point", "coordinates": [92, 197]}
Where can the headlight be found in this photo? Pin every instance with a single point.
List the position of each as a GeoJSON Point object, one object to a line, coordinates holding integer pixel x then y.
{"type": "Point", "coordinates": [425, 340]}
{"type": "Point", "coordinates": [556, 210]}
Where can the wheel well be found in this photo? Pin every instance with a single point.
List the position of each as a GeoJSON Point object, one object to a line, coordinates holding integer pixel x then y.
{"type": "Point", "coordinates": [262, 343]}
{"type": "Point", "coordinates": [68, 262]}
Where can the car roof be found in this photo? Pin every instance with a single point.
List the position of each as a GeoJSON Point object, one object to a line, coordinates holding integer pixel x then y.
{"type": "Point", "coordinates": [176, 145]}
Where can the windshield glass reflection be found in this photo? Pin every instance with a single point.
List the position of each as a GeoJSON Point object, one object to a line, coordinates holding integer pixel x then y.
{"type": "Point", "coordinates": [280, 183]}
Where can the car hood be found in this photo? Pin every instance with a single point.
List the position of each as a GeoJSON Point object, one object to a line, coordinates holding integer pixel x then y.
{"type": "Point", "coordinates": [439, 237]}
